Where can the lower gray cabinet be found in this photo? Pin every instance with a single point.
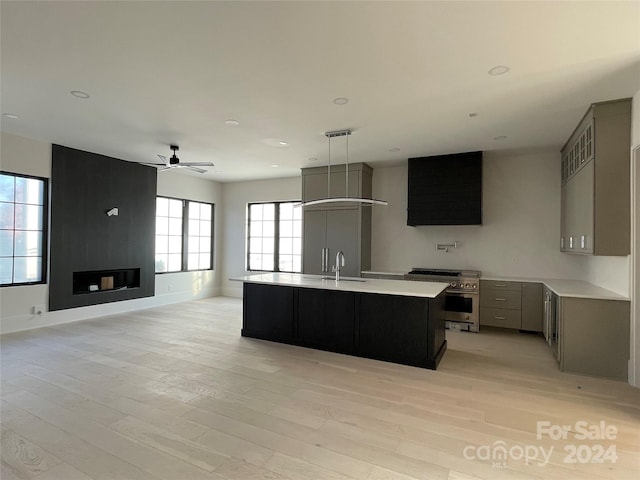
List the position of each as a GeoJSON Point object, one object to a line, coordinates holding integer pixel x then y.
{"type": "Point", "coordinates": [532, 307]}
{"type": "Point", "coordinates": [593, 337]}
{"type": "Point", "coordinates": [517, 305]}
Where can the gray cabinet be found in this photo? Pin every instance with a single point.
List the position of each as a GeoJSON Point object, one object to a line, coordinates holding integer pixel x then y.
{"type": "Point", "coordinates": [593, 337]}
{"type": "Point", "coordinates": [532, 307]}
{"type": "Point", "coordinates": [335, 230]}
{"type": "Point", "coordinates": [595, 197]}
{"type": "Point", "coordinates": [315, 185]}
{"type": "Point", "coordinates": [515, 305]}
{"type": "Point", "coordinates": [330, 228]}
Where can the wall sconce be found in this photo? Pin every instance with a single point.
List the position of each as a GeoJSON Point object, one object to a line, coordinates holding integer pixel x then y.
{"type": "Point", "coordinates": [112, 212]}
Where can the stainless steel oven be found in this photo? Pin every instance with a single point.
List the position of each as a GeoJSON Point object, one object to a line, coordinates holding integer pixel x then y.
{"type": "Point", "coordinates": [462, 296]}
{"type": "Point", "coordinates": [463, 308]}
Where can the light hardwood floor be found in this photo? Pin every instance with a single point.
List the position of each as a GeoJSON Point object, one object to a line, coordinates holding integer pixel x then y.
{"type": "Point", "coordinates": [176, 393]}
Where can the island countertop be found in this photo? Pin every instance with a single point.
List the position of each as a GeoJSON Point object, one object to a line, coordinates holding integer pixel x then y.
{"type": "Point", "coordinates": [405, 288]}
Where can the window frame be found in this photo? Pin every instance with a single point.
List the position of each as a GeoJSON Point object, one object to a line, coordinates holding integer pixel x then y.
{"type": "Point", "coordinates": [44, 265]}
{"type": "Point", "coordinates": [276, 236]}
{"type": "Point", "coordinates": [184, 260]}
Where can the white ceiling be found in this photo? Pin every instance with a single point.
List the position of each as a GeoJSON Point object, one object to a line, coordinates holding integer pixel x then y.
{"type": "Point", "coordinates": [172, 72]}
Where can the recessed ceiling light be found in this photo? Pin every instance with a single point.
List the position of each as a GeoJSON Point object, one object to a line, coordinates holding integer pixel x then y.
{"type": "Point", "coordinates": [394, 149]}
{"type": "Point", "coordinates": [12, 116]}
{"type": "Point", "coordinates": [232, 123]}
{"type": "Point", "coordinates": [79, 94]}
{"type": "Point", "coordinates": [341, 100]}
{"type": "Point", "coordinates": [283, 143]}
{"type": "Point", "coordinates": [500, 137]}
{"type": "Point", "coordinates": [274, 165]}
{"type": "Point", "coordinates": [313, 159]}
{"type": "Point", "coordinates": [473, 114]}
{"type": "Point", "coordinates": [498, 70]}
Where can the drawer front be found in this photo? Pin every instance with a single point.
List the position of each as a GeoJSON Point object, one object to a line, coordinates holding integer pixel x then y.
{"type": "Point", "coordinates": [500, 299]}
{"type": "Point", "coordinates": [500, 285]}
{"type": "Point", "coordinates": [498, 317]}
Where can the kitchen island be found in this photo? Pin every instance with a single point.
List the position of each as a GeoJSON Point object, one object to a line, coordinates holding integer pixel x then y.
{"type": "Point", "coordinates": [392, 320]}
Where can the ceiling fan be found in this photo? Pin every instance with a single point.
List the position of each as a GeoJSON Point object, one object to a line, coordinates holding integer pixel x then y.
{"type": "Point", "coordinates": [174, 162]}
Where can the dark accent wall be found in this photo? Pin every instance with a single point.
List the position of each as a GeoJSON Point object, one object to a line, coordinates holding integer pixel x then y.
{"type": "Point", "coordinates": [84, 186]}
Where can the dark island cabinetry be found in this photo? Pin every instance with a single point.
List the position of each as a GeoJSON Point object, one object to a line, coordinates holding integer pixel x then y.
{"type": "Point", "coordinates": [269, 314]}
{"type": "Point", "coordinates": [395, 328]}
{"type": "Point", "coordinates": [325, 319]}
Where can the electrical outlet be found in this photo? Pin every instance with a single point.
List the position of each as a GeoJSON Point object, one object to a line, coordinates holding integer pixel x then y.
{"type": "Point", "coordinates": [38, 310]}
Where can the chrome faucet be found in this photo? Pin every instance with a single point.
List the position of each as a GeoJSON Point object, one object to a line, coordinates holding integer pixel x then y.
{"type": "Point", "coordinates": [339, 263]}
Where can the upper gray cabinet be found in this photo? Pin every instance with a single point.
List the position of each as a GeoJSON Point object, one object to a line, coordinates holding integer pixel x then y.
{"type": "Point", "coordinates": [595, 194]}
{"type": "Point", "coordinates": [315, 185]}
{"type": "Point", "coordinates": [341, 226]}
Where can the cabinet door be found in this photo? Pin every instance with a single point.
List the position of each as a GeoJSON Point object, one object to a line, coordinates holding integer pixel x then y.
{"type": "Point", "coordinates": [268, 312]}
{"type": "Point", "coordinates": [393, 328]}
{"type": "Point", "coordinates": [315, 185]}
{"type": "Point", "coordinates": [343, 234]}
{"type": "Point", "coordinates": [314, 240]}
{"type": "Point", "coordinates": [583, 208]}
{"type": "Point", "coordinates": [339, 182]}
{"type": "Point", "coordinates": [532, 307]}
{"type": "Point", "coordinates": [577, 204]}
{"type": "Point", "coordinates": [325, 319]}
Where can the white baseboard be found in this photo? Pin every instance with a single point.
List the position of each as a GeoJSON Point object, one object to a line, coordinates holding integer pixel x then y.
{"type": "Point", "coordinates": [19, 323]}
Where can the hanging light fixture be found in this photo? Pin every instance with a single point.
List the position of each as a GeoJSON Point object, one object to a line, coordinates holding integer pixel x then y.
{"type": "Point", "coordinates": [346, 198]}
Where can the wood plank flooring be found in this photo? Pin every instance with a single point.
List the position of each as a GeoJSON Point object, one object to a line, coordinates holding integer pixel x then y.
{"type": "Point", "coordinates": [175, 393]}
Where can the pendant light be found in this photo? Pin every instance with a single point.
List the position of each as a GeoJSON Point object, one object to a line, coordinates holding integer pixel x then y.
{"type": "Point", "coordinates": [346, 198]}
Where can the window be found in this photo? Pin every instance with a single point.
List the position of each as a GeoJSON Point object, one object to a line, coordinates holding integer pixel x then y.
{"type": "Point", "coordinates": [199, 231]}
{"type": "Point", "coordinates": [184, 235]}
{"type": "Point", "coordinates": [23, 211]}
{"type": "Point", "coordinates": [274, 240]}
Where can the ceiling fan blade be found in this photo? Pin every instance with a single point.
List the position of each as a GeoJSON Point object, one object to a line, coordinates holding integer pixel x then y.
{"type": "Point", "coordinates": [165, 169]}
{"type": "Point", "coordinates": [153, 164]}
{"type": "Point", "coordinates": [194, 169]}
{"type": "Point", "coordinates": [197, 164]}
{"type": "Point", "coordinates": [164, 159]}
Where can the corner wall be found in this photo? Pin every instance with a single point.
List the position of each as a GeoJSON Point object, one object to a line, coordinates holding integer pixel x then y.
{"type": "Point", "coordinates": [33, 157]}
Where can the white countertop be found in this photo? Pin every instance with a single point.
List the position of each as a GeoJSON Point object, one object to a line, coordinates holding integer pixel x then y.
{"type": "Point", "coordinates": [567, 288]}
{"type": "Point", "coordinates": [404, 288]}
{"type": "Point", "coordinates": [561, 287]}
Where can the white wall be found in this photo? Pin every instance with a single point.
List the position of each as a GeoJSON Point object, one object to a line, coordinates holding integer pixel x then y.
{"type": "Point", "coordinates": [32, 157]}
{"type": "Point", "coordinates": [520, 231]}
{"type": "Point", "coordinates": [235, 197]}
{"type": "Point", "coordinates": [609, 272]}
